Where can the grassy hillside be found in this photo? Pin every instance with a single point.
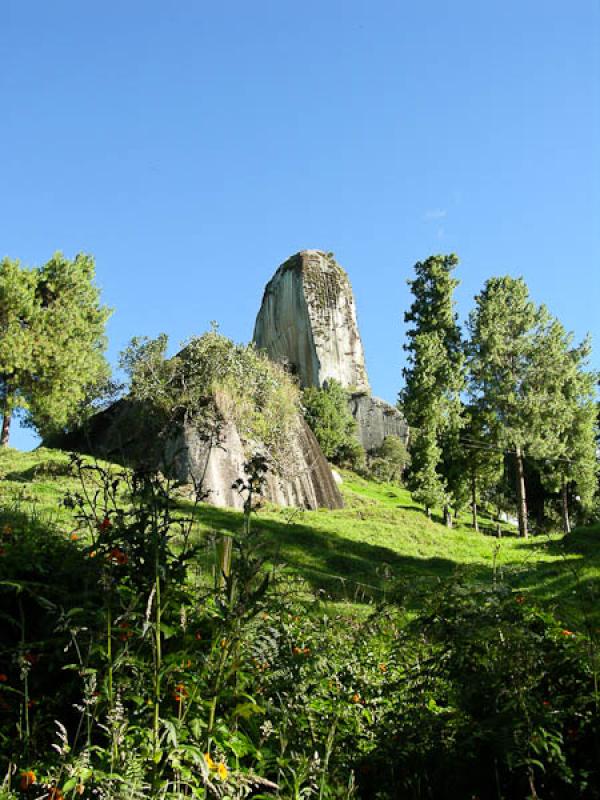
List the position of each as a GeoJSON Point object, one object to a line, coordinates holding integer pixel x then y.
{"type": "Point", "coordinates": [381, 544]}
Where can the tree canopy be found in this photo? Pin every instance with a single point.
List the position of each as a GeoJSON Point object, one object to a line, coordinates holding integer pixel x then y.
{"type": "Point", "coordinates": [52, 341]}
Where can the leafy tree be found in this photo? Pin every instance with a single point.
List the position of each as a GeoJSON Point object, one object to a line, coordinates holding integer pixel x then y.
{"type": "Point", "coordinates": [434, 380]}
{"type": "Point", "coordinates": [52, 341]}
{"type": "Point", "coordinates": [327, 412]}
{"type": "Point", "coordinates": [569, 414]}
{"type": "Point", "coordinates": [480, 460]}
{"type": "Point", "coordinates": [525, 379]}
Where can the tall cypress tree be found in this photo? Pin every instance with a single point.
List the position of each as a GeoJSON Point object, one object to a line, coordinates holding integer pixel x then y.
{"type": "Point", "coordinates": [434, 380]}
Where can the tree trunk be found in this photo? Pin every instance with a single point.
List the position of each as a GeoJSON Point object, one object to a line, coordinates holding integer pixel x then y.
{"type": "Point", "coordinates": [7, 413]}
{"type": "Point", "coordinates": [447, 517]}
{"type": "Point", "coordinates": [474, 502]}
{"type": "Point", "coordinates": [521, 494]}
{"type": "Point", "coordinates": [6, 419]}
{"type": "Point", "coordinates": [565, 507]}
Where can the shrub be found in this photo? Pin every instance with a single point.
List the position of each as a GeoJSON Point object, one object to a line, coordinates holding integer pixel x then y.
{"type": "Point", "coordinates": [389, 461]}
{"type": "Point", "coordinates": [327, 412]}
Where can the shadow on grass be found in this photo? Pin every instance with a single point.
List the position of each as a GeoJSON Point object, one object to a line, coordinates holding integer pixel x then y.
{"type": "Point", "coordinates": [357, 571]}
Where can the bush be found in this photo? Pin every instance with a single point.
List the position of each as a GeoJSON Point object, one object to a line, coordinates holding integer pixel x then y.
{"type": "Point", "coordinates": [327, 412]}
{"type": "Point", "coordinates": [389, 461]}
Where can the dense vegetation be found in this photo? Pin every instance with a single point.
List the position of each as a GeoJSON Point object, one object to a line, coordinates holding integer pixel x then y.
{"type": "Point", "coordinates": [137, 661]}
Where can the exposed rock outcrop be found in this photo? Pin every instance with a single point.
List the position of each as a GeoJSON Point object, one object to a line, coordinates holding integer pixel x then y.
{"type": "Point", "coordinates": [212, 458]}
{"type": "Point", "coordinates": [307, 321]}
{"type": "Point", "coordinates": [376, 420]}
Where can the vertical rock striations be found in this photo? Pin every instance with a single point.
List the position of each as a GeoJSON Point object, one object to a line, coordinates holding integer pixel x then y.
{"type": "Point", "coordinates": [307, 321]}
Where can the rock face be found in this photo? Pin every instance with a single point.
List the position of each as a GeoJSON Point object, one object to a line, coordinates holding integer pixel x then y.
{"type": "Point", "coordinates": [376, 420]}
{"type": "Point", "coordinates": [307, 321]}
{"type": "Point", "coordinates": [211, 459]}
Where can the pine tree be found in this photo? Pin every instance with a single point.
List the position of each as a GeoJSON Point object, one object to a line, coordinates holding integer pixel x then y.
{"type": "Point", "coordinates": [434, 379]}
{"type": "Point", "coordinates": [514, 376]}
{"type": "Point", "coordinates": [566, 390]}
{"type": "Point", "coordinates": [52, 344]}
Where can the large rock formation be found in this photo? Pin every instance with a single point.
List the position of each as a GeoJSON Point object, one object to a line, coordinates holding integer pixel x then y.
{"type": "Point", "coordinates": [307, 321]}
{"type": "Point", "coordinates": [376, 421]}
{"type": "Point", "coordinates": [210, 457]}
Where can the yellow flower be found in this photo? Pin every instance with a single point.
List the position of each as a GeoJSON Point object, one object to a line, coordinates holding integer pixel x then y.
{"type": "Point", "coordinates": [222, 770]}
{"type": "Point", "coordinates": [209, 762]}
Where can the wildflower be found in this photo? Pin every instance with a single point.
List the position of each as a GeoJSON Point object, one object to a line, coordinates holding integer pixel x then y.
{"type": "Point", "coordinates": [117, 556]}
{"type": "Point", "coordinates": [356, 698]}
{"type": "Point", "coordinates": [222, 771]}
{"type": "Point", "coordinates": [296, 651]}
{"type": "Point", "coordinates": [27, 780]}
{"type": "Point", "coordinates": [54, 793]}
{"type": "Point", "coordinates": [93, 554]}
{"type": "Point", "coordinates": [383, 667]}
{"type": "Point", "coordinates": [3, 677]}
{"type": "Point", "coordinates": [180, 693]}
{"type": "Point", "coordinates": [306, 651]}
{"type": "Point", "coordinates": [209, 762]}
{"type": "Point", "coordinates": [520, 599]}
{"type": "Point", "coordinates": [567, 633]}
{"type": "Point", "coordinates": [74, 537]}
{"type": "Point", "coordinates": [105, 524]}
{"type": "Point", "coordinates": [79, 788]}
{"type": "Point", "coordinates": [197, 636]}
{"type": "Point", "coordinates": [223, 643]}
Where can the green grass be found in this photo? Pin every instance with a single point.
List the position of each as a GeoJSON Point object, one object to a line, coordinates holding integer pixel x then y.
{"type": "Point", "coordinates": [380, 545]}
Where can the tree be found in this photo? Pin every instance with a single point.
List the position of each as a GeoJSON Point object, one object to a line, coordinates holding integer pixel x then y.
{"type": "Point", "coordinates": [481, 461]}
{"type": "Point", "coordinates": [517, 359]}
{"type": "Point", "coordinates": [52, 341]}
{"type": "Point", "coordinates": [327, 412]}
{"type": "Point", "coordinates": [569, 414]}
{"type": "Point", "coordinates": [434, 379]}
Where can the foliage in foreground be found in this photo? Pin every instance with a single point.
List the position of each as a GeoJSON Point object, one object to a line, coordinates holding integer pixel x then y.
{"type": "Point", "coordinates": [128, 671]}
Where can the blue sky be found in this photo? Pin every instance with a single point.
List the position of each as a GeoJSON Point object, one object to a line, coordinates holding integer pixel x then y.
{"type": "Point", "coordinates": [192, 146]}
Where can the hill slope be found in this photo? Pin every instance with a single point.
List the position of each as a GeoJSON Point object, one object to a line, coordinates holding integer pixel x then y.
{"type": "Point", "coordinates": [381, 544]}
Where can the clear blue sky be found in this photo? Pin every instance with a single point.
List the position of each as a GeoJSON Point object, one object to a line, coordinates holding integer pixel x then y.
{"type": "Point", "coordinates": [192, 146]}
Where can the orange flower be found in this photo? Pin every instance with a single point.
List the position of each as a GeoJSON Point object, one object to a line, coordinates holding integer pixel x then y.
{"type": "Point", "coordinates": [383, 667]}
{"type": "Point", "coordinates": [54, 793]}
{"type": "Point", "coordinates": [180, 693]}
{"type": "Point", "coordinates": [296, 651]}
{"type": "Point", "coordinates": [306, 651]}
{"type": "Point", "coordinates": [520, 599]}
{"type": "Point", "coordinates": [93, 554]}
{"type": "Point", "coordinates": [567, 633]}
{"type": "Point", "coordinates": [3, 677]}
{"type": "Point", "coordinates": [27, 780]}
{"type": "Point", "coordinates": [74, 537]}
{"type": "Point", "coordinates": [80, 788]}
{"type": "Point", "coordinates": [356, 698]}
